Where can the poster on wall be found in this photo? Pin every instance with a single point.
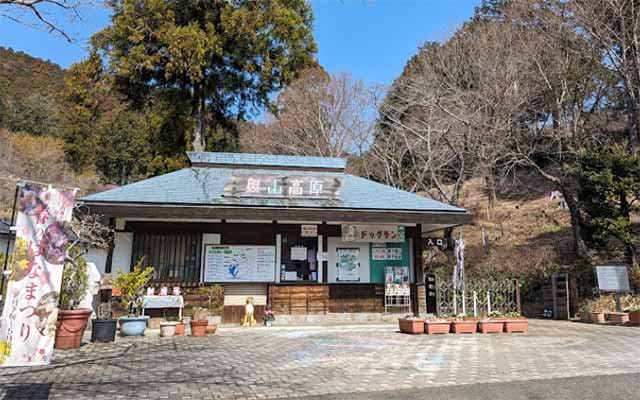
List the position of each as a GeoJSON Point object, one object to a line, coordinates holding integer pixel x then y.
{"type": "Point", "coordinates": [386, 253]}
{"type": "Point", "coordinates": [28, 324]}
{"type": "Point", "coordinates": [348, 265]}
{"type": "Point", "coordinates": [373, 233]}
{"type": "Point", "coordinates": [239, 263]}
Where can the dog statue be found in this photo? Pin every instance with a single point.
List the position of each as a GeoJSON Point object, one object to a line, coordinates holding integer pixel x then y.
{"type": "Point", "coordinates": [248, 319]}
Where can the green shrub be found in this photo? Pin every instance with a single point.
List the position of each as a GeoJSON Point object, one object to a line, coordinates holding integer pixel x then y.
{"type": "Point", "coordinates": [131, 285]}
{"type": "Point", "coordinates": [75, 281]}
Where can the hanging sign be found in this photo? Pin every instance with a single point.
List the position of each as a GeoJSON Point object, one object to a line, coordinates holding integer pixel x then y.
{"type": "Point", "coordinates": [320, 187]}
{"type": "Point", "coordinates": [434, 242]}
{"type": "Point", "coordinates": [239, 263]}
{"type": "Point", "coordinates": [28, 324]}
{"type": "Point", "coordinates": [613, 278]}
{"type": "Point", "coordinates": [348, 265]}
{"type": "Point", "coordinates": [373, 233]}
{"type": "Point", "coordinates": [309, 230]}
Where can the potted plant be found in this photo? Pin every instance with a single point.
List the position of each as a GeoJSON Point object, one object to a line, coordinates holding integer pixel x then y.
{"type": "Point", "coordinates": [412, 325]}
{"type": "Point", "coordinates": [634, 315]}
{"type": "Point", "coordinates": [199, 321]}
{"type": "Point", "coordinates": [131, 287]}
{"type": "Point", "coordinates": [180, 326]}
{"type": "Point", "coordinates": [492, 324]}
{"type": "Point", "coordinates": [461, 326]}
{"type": "Point", "coordinates": [597, 317]}
{"type": "Point", "coordinates": [584, 310]}
{"type": "Point", "coordinates": [618, 318]}
{"type": "Point", "coordinates": [103, 328]}
{"type": "Point", "coordinates": [215, 297]}
{"type": "Point", "coordinates": [268, 317]}
{"type": "Point", "coordinates": [436, 326]}
{"type": "Point", "coordinates": [514, 322]}
{"type": "Point", "coordinates": [71, 320]}
{"type": "Point", "coordinates": [168, 328]}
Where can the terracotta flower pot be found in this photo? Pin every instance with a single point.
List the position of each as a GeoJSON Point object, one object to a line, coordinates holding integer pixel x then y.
{"type": "Point", "coordinates": [585, 317]}
{"type": "Point", "coordinates": [618, 318]}
{"type": "Point", "coordinates": [634, 317]}
{"type": "Point", "coordinates": [412, 326]}
{"type": "Point", "coordinates": [516, 325]}
{"type": "Point", "coordinates": [437, 327]}
{"type": "Point", "coordinates": [211, 329]}
{"type": "Point", "coordinates": [597, 317]}
{"type": "Point", "coordinates": [180, 328]}
{"type": "Point", "coordinates": [459, 327]}
{"type": "Point", "coordinates": [198, 328]}
{"type": "Point", "coordinates": [71, 326]}
{"type": "Point", "coordinates": [491, 326]}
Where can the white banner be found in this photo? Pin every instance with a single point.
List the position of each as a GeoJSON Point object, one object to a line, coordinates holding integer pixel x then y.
{"type": "Point", "coordinates": [28, 324]}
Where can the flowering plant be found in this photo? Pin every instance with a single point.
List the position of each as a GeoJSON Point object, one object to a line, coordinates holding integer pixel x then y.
{"type": "Point", "coordinates": [269, 316]}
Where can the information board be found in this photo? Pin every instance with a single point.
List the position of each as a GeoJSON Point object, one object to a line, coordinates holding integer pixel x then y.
{"type": "Point", "coordinates": [613, 278]}
{"type": "Point", "coordinates": [348, 265]}
{"type": "Point", "coordinates": [239, 263]}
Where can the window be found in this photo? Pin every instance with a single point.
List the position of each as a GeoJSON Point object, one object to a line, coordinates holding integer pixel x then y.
{"type": "Point", "coordinates": [174, 256]}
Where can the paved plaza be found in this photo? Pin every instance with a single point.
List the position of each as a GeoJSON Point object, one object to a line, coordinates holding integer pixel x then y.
{"type": "Point", "coordinates": [265, 363]}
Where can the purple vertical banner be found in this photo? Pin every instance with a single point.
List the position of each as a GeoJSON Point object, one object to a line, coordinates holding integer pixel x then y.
{"type": "Point", "coordinates": [28, 323]}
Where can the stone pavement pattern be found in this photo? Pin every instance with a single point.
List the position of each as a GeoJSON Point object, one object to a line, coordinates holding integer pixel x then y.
{"type": "Point", "coordinates": [257, 363]}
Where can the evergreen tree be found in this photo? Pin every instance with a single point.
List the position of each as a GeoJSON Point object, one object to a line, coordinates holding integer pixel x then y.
{"type": "Point", "coordinates": [222, 57]}
{"type": "Point", "coordinates": [609, 181]}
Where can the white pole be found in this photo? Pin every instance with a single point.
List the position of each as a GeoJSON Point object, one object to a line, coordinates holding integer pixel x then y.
{"type": "Point", "coordinates": [475, 304]}
{"type": "Point", "coordinates": [464, 305]}
{"type": "Point", "coordinates": [488, 303]}
{"type": "Point", "coordinates": [455, 302]}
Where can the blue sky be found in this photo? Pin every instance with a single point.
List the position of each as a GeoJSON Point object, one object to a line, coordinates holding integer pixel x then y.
{"type": "Point", "coordinates": [370, 39]}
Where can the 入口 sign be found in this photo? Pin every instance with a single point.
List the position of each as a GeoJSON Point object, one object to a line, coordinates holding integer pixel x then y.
{"type": "Point", "coordinates": [434, 241]}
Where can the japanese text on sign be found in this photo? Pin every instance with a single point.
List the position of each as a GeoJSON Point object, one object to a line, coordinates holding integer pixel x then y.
{"type": "Point", "coordinates": [289, 187]}
{"type": "Point", "coordinates": [373, 233]}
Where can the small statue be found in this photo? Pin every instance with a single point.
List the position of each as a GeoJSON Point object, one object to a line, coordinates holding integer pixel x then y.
{"type": "Point", "coordinates": [248, 319]}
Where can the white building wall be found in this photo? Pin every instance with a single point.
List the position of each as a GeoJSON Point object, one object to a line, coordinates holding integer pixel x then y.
{"type": "Point", "coordinates": [99, 258]}
{"type": "Point", "coordinates": [333, 243]}
{"type": "Point", "coordinates": [123, 244]}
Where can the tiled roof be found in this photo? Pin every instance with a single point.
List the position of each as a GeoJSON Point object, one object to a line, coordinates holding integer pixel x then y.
{"type": "Point", "coordinates": [205, 186]}
{"type": "Point", "coordinates": [266, 160]}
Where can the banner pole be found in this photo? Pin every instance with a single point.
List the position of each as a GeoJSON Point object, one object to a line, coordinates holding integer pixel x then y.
{"type": "Point", "coordinates": [6, 253]}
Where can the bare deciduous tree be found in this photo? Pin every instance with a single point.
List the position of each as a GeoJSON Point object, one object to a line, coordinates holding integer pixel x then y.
{"type": "Point", "coordinates": [40, 13]}
{"type": "Point", "coordinates": [318, 115]}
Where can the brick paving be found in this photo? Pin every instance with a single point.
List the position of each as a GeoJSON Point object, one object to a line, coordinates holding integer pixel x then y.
{"type": "Point", "coordinates": [265, 363]}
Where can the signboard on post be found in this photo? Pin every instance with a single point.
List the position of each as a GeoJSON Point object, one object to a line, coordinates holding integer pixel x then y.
{"type": "Point", "coordinates": [373, 233]}
{"type": "Point", "coordinates": [613, 278]}
{"type": "Point", "coordinates": [239, 263]}
{"type": "Point", "coordinates": [305, 187]}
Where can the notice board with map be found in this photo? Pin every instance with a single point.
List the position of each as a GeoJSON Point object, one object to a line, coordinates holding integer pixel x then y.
{"type": "Point", "coordinates": [239, 263]}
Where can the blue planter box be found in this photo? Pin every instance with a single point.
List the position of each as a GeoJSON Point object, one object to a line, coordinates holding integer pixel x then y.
{"type": "Point", "coordinates": [133, 326]}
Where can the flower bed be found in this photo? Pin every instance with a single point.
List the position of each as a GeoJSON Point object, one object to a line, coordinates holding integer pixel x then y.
{"type": "Point", "coordinates": [491, 326]}
{"type": "Point", "coordinates": [437, 327]}
{"type": "Point", "coordinates": [411, 325]}
{"type": "Point", "coordinates": [459, 327]}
